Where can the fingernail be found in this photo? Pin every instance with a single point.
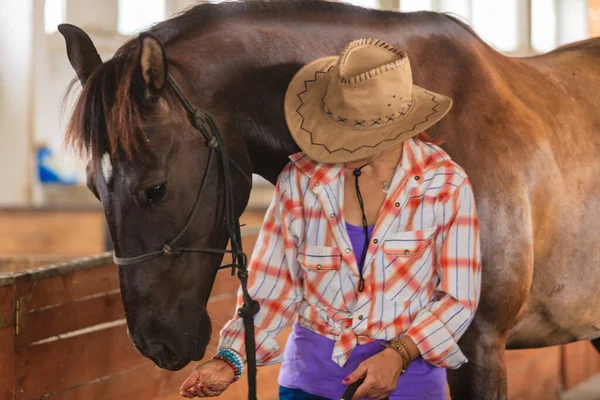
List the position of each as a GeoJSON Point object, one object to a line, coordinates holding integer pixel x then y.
{"type": "Point", "coordinates": [210, 387]}
{"type": "Point", "coordinates": [346, 379]}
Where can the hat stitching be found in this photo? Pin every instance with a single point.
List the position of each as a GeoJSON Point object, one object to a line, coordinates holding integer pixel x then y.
{"type": "Point", "coordinates": [344, 120]}
{"type": "Point", "coordinates": [375, 71]}
{"type": "Point", "coordinates": [312, 141]}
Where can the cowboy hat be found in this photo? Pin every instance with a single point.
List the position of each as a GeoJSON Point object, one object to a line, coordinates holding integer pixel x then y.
{"type": "Point", "coordinates": [347, 108]}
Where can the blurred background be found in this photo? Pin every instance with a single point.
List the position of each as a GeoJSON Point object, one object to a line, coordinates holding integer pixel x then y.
{"type": "Point", "coordinates": [64, 321]}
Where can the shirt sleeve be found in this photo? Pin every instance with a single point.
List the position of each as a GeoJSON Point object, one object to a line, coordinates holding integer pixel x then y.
{"type": "Point", "coordinates": [438, 327]}
{"type": "Point", "coordinates": [274, 281]}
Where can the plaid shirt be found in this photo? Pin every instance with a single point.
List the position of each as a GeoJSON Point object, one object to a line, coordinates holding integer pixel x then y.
{"type": "Point", "coordinates": [422, 268]}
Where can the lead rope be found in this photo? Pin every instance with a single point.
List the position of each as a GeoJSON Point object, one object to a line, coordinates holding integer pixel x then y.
{"type": "Point", "coordinates": [250, 307]}
{"type": "Point", "coordinates": [357, 173]}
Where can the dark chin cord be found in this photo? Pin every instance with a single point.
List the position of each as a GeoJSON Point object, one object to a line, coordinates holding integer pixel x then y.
{"type": "Point", "coordinates": [357, 173]}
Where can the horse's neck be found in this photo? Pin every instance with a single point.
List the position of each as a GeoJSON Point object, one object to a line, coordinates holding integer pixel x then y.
{"type": "Point", "coordinates": [438, 49]}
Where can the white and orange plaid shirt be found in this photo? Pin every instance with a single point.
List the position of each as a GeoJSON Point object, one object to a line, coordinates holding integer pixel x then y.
{"type": "Point", "coordinates": [422, 269]}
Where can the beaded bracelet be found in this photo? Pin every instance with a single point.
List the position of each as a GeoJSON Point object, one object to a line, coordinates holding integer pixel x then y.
{"type": "Point", "coordinates": [233, 359]}
{"type": "Point", "coordinates": [394, 346]}
{"type": "Point", "coordinates": [405, 347]}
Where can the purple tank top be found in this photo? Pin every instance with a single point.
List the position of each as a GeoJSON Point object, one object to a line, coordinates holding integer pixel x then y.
{"type": "Point", "coordinates": [307, 363]}
{"type": "Point", "coordinates": [357, 238]}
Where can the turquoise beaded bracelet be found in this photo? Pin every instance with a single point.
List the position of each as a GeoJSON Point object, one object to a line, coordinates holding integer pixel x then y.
{"type": "Point", "coordinates": [235, 361]}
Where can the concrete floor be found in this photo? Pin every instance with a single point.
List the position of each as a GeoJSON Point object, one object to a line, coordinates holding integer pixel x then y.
{"type": "Point", "coordinates": [588, 390]}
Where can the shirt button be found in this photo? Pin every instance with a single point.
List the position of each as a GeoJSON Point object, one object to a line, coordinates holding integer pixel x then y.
{"type": "Point", "coordinates": [417, 178]}
{"type": "Point", "coordinates": [360, 317]}
{"type": "Point", "coordinates": [397, 204]}
{"type": "Point", "coordinates": [406, 252]}
{"type": "Point", "coordinates": [347, 251]}
{"type": "Point", "coordinates": [331, 215]}
{"type": "Point", "coordinates": [375, 241]}
{"type": "Point", "coordinates": [319, 265]}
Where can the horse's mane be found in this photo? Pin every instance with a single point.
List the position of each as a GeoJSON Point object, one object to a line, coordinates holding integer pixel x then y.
{"type": "Point", "coordinates": [107, 115]}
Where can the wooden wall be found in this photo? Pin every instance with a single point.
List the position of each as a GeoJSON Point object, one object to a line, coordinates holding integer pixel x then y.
{"type": "Point", "coordinates": [34, 237]}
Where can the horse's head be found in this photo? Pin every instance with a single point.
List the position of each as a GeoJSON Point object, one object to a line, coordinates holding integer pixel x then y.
{"type": "Point", "coordinates": [146, 165]}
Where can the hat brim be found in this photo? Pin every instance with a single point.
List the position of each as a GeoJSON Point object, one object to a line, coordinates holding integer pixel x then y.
{"type": "Point", "coordinates": [324, 140]}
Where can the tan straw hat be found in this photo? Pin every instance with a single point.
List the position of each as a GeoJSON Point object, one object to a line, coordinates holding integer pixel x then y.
{"type": "Point", "coordinates": [347, 108]}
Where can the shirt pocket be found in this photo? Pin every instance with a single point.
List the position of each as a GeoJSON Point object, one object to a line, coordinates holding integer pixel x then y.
{"type": "Point", "coordinates": [408, 263]}
{"type": "Point", "coordinates": [320, 268]}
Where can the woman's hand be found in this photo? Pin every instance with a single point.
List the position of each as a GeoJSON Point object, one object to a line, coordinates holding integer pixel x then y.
{"type": "Point", "coordinates": [208, 380]}
{"type": "Point", "coordinates": [381, 373]}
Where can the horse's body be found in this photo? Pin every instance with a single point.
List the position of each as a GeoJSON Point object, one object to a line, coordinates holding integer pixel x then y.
{"type": "Point", "coordinates": [527, 132]}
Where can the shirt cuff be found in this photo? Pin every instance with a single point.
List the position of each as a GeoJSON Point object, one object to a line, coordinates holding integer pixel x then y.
{"type": "Point", "coordinates": [435, 343]}
{"type": "Point", "coordinates": [267, 349]}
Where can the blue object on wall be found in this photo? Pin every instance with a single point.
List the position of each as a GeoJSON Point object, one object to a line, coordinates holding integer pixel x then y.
{"type": "Point", "coordinates": [49, 169]}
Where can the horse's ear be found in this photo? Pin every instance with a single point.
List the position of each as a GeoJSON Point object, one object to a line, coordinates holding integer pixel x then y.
{"type": "Point", "coordinates": [82, 53]}
{"type": "Point", "coordinates": [153, 65]}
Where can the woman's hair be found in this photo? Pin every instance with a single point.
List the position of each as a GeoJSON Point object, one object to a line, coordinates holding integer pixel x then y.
{"type": "Point", "coordinates": [424, 137]}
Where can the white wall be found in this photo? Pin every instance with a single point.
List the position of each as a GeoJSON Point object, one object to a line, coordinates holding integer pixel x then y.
{"type": "Point", "coordinates": [16, 47]}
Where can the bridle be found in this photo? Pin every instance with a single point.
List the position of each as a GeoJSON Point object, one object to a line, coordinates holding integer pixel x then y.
{"type": "Point", "coordinates": [204, 123]}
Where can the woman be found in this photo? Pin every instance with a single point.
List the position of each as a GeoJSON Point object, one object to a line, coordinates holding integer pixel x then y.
{"type": "Point", "coordinates": [370, 243]}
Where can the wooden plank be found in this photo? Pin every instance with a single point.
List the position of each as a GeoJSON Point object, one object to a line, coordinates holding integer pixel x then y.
{"type": "Point", "coordinates": [69, 287]}
{"type": "Point", "coordinates": [72, 233]}
{"type": "Point", "coordinates": [543, 364]}
{"type": "Point", "coordinates": [540, 389]}
{"type": "Point", "coordinates": [56, 320]}
{"type": "Point", "coordinates": [142, 382]}
{"type": "Point", "coordinates": [7, 346]}
{"type": "Point", "coordinates": [12, 263]}
{"type": "Point", "coordinates": [580, 362]}
{"type": "Point", "coordinates": [61, 364]}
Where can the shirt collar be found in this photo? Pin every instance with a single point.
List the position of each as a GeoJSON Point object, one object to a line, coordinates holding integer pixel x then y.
{"type": "Point", "coordinates": [417, 156]}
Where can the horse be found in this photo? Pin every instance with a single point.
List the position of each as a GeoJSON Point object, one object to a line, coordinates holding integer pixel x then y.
{"type": "Point", "coordinates": [526, 130]}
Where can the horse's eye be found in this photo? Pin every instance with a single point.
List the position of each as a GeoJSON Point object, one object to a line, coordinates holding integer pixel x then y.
{"type": "Point", "coordinates": [156, 193]}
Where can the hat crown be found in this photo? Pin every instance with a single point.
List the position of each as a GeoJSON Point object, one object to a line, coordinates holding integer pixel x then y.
{"type": "Point", "coordinates": [374, 83]}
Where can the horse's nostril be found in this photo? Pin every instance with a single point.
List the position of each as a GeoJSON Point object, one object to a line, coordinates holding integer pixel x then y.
{"type": "Point", "coordinates": [161, 353]}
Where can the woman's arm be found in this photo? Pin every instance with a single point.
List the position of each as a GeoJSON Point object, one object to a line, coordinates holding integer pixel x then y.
{"type": "Point", "coordinates": [437, 327]}
{"type": "Point", "coordinates": [274, 280]}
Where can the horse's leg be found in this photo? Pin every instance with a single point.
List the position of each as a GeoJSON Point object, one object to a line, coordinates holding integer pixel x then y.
{"type": "Point", "coordinates": [484, 376]}
{"type": "Point", "coordinates": [596, 343]}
